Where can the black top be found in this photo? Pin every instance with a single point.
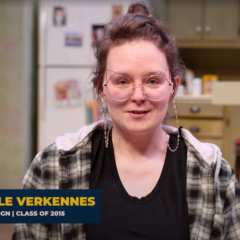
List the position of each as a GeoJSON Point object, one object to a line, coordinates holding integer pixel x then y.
{"type": "Point", "coordinates": [162, 214]}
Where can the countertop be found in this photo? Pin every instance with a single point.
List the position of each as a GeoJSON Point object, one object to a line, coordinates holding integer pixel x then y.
{"type": "Point", "coordinates": [187, 97]}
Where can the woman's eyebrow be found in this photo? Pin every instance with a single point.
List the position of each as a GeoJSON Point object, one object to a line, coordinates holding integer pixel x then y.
{"type": "Point", "coordinates": [125, 74]}
{"type": "Point", "coordinates": [119, 73]}
{"type": "Point", "coordinates": [149, 73]}
{"type": "Point", "coordinates": [155, 73]}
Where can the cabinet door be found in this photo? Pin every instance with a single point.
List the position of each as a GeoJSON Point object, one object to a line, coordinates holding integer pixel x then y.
{"type": "Point", "coordinates": [185, 19]}
{"type": "Point", "coordinates": [221, 20]}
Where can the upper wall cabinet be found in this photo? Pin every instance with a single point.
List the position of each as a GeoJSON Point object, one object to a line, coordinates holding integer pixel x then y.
{"type": "Point", "coordinates": [204, 19]}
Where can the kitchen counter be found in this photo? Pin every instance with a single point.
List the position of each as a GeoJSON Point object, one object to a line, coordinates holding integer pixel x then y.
{"type": "Point", "coordinates": [187, 97]}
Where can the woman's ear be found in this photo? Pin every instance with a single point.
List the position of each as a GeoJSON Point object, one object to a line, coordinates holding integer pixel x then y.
{"type": "Point", "coordinates": [177, 79]}
{"type": "Point", "coordinates": [98, 85]}
{"type": "Point", "coordinates": [175, 87]}
{"type": "Point", "coordinates": [102, 94]}
{"type": "Point", "coordinates": [101, 90]}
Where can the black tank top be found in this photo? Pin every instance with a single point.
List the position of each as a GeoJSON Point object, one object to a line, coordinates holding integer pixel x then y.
{"type": "Point", "coordinates": [162, 214]}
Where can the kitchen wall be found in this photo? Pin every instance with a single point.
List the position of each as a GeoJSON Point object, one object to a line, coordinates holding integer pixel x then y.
{"type": "Point", "coordinates": [16, 90]}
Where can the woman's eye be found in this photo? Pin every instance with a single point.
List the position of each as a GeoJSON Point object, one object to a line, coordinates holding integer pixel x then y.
{"type": "Point", "coordinates": [153, 81]}
{"type": "Point", "coordinates": [122, 82]}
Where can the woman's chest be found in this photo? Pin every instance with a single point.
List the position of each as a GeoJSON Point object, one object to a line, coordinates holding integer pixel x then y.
{"type": "Point", "coordinates": [139, 179]}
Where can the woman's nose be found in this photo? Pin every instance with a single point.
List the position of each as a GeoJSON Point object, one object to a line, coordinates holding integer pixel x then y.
{"type": "Point", "coordinates": [138, 95]}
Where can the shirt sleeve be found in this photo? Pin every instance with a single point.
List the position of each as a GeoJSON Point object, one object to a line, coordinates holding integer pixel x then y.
{"type": "Point", "coordinates": [232, 209]}
{"type": "Point", "coordinates": [33, 180]}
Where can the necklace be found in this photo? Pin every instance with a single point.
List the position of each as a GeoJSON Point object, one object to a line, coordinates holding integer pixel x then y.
{"type": "Point", "coordinates": [167, 140]}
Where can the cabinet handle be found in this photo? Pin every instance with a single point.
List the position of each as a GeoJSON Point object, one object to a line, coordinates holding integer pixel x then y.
{"type": "Point", "coordinates": [198, 29]}
{"type": "Point", "coordinates": [208, 29]}
{"type": "Point", "coordinates": [194, 129]}
{"type": "Point", "coordinates": [195, 109]}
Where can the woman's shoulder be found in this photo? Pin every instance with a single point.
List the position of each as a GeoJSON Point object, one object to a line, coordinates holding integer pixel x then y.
{"type": "Point", "coordinates": [204, 155]}
{"type": "Point", "coordinates": [65, 144]}
{"type": "Point", "coordinates": [209, 156]}
{"type": "Point", "coordinates": [69, 141]}
{"type": "Point", "coordinates": [66, 152]}
{"type": "Point", "coordinates": [207, 153]}
{"type": "Point", "coordinates": [46, 154]}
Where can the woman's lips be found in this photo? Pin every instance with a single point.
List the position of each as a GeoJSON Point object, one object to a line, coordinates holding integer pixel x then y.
{"type": "Point", "coordinates": [138, 114]}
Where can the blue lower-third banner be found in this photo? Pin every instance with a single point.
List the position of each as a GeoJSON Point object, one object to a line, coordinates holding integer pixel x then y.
{"type": "Point", "coordinates": [50, 206]}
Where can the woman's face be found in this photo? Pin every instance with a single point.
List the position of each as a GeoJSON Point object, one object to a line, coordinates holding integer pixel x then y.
{"type": "Point", "coordinates": [138, 114]}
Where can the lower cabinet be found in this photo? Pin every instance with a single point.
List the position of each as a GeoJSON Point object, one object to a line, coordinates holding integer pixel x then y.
{"type": "Point", "coordinates": [207, 122]}
{"type": "Point", "coordinates": [205, 130]}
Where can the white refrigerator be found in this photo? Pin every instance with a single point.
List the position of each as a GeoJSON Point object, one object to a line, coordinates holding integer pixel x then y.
{"type": "Point", "coordinates": [67, 30]}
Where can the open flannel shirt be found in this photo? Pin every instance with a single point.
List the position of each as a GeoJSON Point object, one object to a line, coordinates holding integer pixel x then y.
{"type": "Point", "coordinates": [213, 201]}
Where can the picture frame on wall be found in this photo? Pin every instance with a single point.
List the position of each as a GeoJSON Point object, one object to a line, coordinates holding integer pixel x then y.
{"type": "Point", "coordinates": [117, 10]}
{"type": "Point", "coordinates": [97, 32]}
{"type": "Point", "coordinates": [59, 16]}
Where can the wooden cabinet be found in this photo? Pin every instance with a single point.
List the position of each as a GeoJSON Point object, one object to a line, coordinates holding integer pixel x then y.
{"type": "Point", "coordinates": [204, 120]}
{"type": "Point", "coordinates": [203, 19]}
{"type": "Point", "coordinates": [215, 124]}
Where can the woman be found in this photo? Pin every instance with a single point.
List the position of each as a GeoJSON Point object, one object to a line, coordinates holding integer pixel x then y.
{"type": "Point", "coordinates": [156, 182]}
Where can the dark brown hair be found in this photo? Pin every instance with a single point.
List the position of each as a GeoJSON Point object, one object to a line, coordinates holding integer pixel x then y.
{"type": "Point", "coordinates": [137, 24]}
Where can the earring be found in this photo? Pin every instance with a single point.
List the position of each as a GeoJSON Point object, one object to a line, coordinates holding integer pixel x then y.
{"type": "Point", "coordinates": [178, 136]}
{"type": "Point", "coordinates": [106, 128]}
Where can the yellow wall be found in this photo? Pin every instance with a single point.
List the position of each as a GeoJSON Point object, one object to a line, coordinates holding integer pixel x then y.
{"type": "Point", "coordinates": [15, 91]}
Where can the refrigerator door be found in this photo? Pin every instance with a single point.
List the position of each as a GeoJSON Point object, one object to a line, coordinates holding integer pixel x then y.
{"type": "Point", "coordinates": [62, 102]}
{"type": "Point", "coordinates": [68, 29]}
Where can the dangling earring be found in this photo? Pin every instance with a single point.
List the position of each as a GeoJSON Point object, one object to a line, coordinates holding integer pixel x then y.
{"type": "Point", "coordinates": [175, 110]}
{"type": "Point", "coordinates": [106, 128]}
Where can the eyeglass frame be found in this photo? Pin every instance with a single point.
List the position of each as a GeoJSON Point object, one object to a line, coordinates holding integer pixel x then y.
{"type": "Point", "coordinates": [138, 85]}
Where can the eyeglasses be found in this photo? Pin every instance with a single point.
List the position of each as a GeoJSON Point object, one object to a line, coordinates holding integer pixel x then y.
{"type": "Point", "coordinates": [154, 87]}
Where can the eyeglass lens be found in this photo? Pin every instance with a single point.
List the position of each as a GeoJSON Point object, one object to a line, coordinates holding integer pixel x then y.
{"type": "Point", "coordinates": [155, 87]}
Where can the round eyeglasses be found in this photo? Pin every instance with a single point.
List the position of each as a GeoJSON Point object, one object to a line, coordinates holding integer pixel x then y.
{"type": "Point", "coordinates": [155, 87]}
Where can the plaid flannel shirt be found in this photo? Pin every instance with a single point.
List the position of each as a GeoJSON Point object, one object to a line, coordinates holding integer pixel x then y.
{"type": "Point", "coordinates": [213, 206]}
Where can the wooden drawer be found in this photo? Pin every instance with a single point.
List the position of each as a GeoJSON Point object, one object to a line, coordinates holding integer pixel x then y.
{"type": "Point", "coordinates": [201, 128]}
{"type": "Point", "coordinates": [196, 110]}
